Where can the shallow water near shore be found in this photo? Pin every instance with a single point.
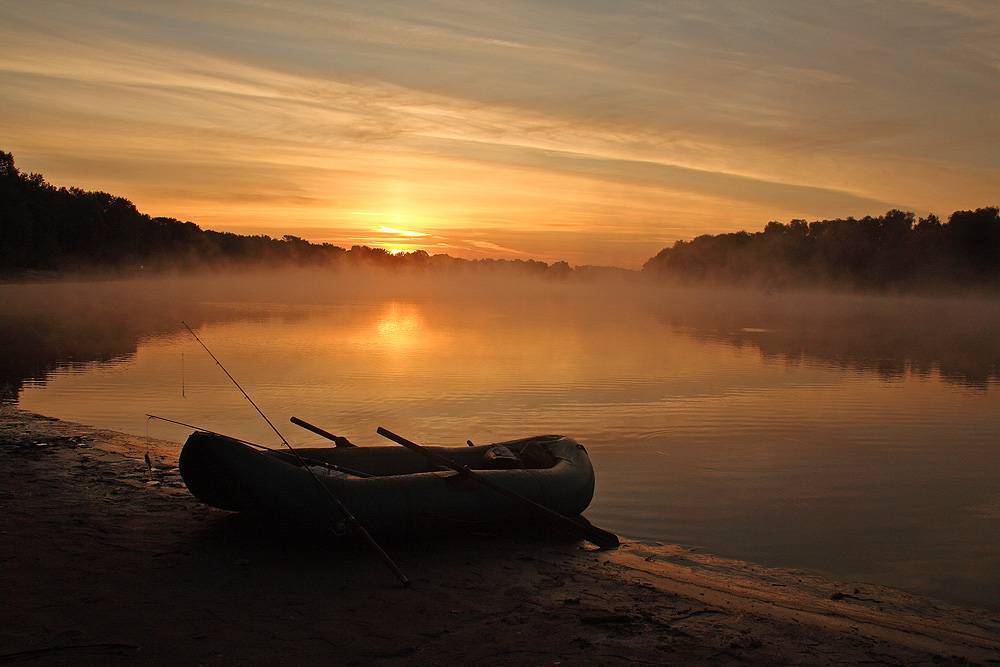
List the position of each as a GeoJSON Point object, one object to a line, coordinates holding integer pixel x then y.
{"type": "Point", "coordinates": [858, 436]}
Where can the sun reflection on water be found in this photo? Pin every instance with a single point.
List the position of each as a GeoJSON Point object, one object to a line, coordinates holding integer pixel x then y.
{"type": "Point", "coordinates": [400, 327]}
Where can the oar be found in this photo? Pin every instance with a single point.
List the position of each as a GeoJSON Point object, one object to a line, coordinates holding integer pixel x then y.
{"type": "Point", "coordinates": [338, 440]}
{"type": "Point", "coordinates": [591, 533]}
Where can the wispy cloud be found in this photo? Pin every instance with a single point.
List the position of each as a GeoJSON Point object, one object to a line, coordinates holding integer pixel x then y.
{"type": "Point", "coordinates": [572, 130]}
{"type": "Point", "coordinates": [408, 233]}
{"type": "Point", "coordinates": [495, 248]}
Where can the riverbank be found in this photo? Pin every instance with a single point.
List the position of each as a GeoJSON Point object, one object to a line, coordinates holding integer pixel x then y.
{"type": "Point", "coordinates": [106, 561]}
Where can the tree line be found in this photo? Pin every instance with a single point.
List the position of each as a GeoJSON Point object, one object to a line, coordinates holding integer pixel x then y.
{"type": "Point", "coordinates": [44, 228]}
{"type": "Point", "coordinates": [892, 251]}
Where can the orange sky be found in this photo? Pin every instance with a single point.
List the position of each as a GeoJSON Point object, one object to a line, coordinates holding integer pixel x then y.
{"type": "Point", "coordinates": [595, 132]}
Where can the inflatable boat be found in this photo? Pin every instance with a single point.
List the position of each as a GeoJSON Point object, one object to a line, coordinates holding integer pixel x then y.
{"type": "Point", "coordinates": [391, 490]}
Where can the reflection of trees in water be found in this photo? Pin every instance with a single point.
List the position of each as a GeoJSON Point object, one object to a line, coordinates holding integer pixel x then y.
{"type": "Point", "coordinates": [59, 325]}
{"type": "Point", "coordinates": [969, 366]}
{"type": "Point", "coordinates": [959, 339]}
{"type": "Point", "coordinates": [62, 325]}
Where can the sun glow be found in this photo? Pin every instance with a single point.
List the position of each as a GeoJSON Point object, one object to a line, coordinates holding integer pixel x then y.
{"type": "Point", "coordinates": [397, 240]}
{"type": "Point", "coordinates": [308, 134]}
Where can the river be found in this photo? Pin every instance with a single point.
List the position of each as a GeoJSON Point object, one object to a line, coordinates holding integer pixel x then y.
{"type": "Point", "coordinates": [854, 435]}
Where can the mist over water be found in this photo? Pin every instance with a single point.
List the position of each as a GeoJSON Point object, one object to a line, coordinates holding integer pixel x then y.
{"type": "Point", "coordinates": [856, 435]}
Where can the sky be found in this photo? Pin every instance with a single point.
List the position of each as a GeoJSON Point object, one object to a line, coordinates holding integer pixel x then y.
{"type": "Point", "coordinates": [593, 131]}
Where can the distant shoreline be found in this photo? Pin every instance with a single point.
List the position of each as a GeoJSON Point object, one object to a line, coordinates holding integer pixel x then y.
{"type": "Point", "coordinates": [614, 276]}
{"type": "Point", "coordinates": [46, 230]}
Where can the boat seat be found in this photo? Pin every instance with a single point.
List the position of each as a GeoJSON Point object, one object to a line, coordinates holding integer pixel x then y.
{"type": "Point", "coordinates": [530, 453]}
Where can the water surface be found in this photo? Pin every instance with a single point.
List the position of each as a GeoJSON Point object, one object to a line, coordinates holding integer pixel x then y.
{"type": "Point", "coordinates": [859, 436]}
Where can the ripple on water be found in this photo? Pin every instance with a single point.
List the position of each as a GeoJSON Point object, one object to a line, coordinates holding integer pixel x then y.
{"type": "Point", "coordinates": [815, 460]}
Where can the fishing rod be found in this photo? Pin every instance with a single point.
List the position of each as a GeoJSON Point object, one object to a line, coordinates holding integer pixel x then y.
{"type": "Point", "coordinates": [348, 515]}
{"type": "Point", "coordinates": [325, 464]}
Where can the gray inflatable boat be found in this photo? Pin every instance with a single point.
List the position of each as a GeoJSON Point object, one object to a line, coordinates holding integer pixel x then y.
{"type": "Point", "coordinates": [391, 490]}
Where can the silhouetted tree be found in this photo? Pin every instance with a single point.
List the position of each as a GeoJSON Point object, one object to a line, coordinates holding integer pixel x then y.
{"type": "Point", "coordinates": [888, 251]}
{"type": "Point", "coordinates": [44, 228]}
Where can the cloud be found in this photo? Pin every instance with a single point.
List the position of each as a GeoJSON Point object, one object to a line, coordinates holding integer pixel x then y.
{"type": "Point", "coordinates": [400, 232]}
{"type": "Point", "coordinates": [821, 201]}
{"type": "Point", "coordinates": [495, 247]}
{"type": "Point", "coordinates": [529, 125]}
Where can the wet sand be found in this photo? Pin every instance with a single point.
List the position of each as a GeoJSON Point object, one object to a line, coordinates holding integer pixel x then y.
{"type": "Point", "coordinates": [105, 562]}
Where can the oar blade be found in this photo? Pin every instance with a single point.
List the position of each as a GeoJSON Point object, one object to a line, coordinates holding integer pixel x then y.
{"type": "Point", "coordinates": [602, 538]}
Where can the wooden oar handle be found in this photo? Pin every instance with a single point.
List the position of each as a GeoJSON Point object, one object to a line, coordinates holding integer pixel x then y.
{"type": "Point", "coordinates": [337, 440]}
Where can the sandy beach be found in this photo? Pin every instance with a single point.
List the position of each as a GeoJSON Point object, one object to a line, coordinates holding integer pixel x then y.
{"type": "Point", "coordinates": [106, 562]}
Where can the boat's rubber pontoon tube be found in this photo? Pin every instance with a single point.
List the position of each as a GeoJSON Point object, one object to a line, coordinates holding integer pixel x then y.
{"type": "Point", "coordinates": [405, 495]}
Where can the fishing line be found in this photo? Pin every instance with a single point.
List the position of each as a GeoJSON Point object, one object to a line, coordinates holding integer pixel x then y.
{"type": "Point", "coordinates": [204, 430]}
{"type": "Point", "coordinates": [149, 465]}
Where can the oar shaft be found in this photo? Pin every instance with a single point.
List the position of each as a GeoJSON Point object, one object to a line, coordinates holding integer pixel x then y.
{"type": "Point", "coordinates": [337, 440]}
{"type": "Point", "coordinates": [599, 537]}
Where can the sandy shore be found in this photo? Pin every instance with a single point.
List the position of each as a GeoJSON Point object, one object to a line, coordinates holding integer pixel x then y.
{"type": "Point", "coordinates": [102, 561]}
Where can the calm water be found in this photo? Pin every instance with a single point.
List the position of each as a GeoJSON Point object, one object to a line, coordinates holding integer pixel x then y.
{"type": "Point", "coordinates": [857, 436]}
